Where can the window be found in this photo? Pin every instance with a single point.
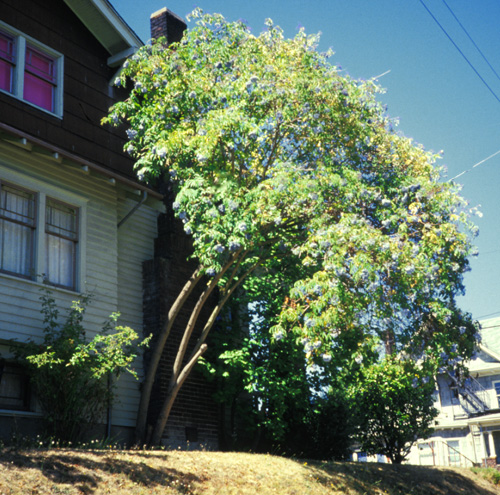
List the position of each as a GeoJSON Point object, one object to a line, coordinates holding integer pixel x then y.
{"type": "Point", "coordinates": [453, 452]}
{"type": "Point", "coordinates": [30, 71]}
{"type": "Point", "coordinates": [6, 62]}
{"type": "Point", "coordinates": [496, 386]}
{"type": "Point", "coordinates": [61, 237]}
{"type": "Point", "coordinates": [39, 79]}
{"type": "Point", "coordinates": [38, 235]}
{"type": "Point", "coordinates": [17, 225]}
{"type": "Point", "coordinates": [14, 387]}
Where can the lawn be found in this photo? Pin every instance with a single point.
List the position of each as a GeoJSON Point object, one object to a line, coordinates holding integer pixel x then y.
{"type": "Point", "coordinates": [61, 471]}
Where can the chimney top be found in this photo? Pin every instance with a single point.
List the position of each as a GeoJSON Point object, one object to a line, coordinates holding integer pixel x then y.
{"type": "Point", "coordinates": [165, 23]}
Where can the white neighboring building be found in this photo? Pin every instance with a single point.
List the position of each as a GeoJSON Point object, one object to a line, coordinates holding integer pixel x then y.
{"type": "Point", "coordinates": [468, 425]}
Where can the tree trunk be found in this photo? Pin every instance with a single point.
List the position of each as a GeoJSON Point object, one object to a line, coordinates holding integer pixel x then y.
{"type": "Point", "coordinates": [147, 385]}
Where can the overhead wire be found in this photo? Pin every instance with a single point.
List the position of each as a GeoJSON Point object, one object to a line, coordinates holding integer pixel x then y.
{"type": "Point", "coordinates": [474, 166]}
{"type": "Point", "coordinates": [460, 51]}
{"type": "Point", "coordinates": [471, 40]}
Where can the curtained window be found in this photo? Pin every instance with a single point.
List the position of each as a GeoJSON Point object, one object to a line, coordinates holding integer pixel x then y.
{"type": "Point", "coordinates": [61, 237]}
{"type": "Point", "coordinates": [23, 250]}
{"type": "Point", "coordinates": [17, 228]}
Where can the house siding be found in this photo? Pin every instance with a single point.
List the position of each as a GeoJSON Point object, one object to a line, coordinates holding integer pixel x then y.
{"type": "Point", "coordinates": [87, 92]}
{"type": "Point", "coordinates": [112, 259]}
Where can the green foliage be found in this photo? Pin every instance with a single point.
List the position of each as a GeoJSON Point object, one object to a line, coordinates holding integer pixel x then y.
{"type": "Point", "coordinates": [278, 160]}
{"type": "Point", "coordinates": [393, 406]}
{"type": "Point", "coordinates": [490, 474]}
{"type": "Point", "coordinates": [70, 373]}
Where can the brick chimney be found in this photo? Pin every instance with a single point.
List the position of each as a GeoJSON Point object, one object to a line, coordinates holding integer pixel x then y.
{"type": "Point", "coordinates": [165, 23]}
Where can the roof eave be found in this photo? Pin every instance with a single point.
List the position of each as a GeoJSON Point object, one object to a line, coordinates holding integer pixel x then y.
{"type": "Point", "coordinates": [108, 27]}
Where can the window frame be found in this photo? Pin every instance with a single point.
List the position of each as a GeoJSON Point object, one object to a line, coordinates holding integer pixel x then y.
{"type": "Point", "coordinates": [75, 240]}
{"type": "Point", "coordinates": [497, 392]}
{"type": "Point", "coordinates": [21, 43]}
{"type": "Point", "coordinates": [32, 227]}
{"type": "Point", "coordinates": [26, 395]}
{"type": "Point", "coordinates": [43, 191]}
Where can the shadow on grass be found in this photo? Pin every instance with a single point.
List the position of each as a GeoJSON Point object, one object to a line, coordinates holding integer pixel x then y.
{"type": "Point", "coordinates": [88, 470]}
{"type": "Point", "coordinates": [396, 480]}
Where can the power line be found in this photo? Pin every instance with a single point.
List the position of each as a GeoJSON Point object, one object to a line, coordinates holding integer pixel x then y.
{"type": "Point", "coordinates": [460, 51]}
{"type": "Point", "coordinates": [471, 40]}
{"type": "Point", "coordinates": [474, 166]}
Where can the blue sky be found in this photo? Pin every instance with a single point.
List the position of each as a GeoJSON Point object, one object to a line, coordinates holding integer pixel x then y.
{"type": "Point", "coordinates": [438, 98]}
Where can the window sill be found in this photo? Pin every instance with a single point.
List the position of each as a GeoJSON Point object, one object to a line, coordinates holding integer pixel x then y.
{"type": "Point", "coordinates": [40, 285]}
{"type": "Point", "coordinates": [32, 105]}
{"type": "Point", "coordinates": [24, 414]}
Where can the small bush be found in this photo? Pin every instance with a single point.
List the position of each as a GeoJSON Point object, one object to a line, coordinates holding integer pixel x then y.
{"type": "Point", "coordinates": [71, 376]}
{"type": "Point", "coordinates": [490, 474]}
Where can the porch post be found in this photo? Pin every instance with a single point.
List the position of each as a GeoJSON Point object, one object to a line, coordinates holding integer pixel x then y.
{"type": "Point", "coordinates": [491, 443]}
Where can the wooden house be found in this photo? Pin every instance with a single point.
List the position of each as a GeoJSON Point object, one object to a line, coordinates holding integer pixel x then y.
{"type": "Point", "coordinates": [72, 213]}
{"type": "Point", "coordinates": [467, 429]}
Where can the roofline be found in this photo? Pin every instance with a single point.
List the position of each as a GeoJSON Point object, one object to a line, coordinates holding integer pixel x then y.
{"type": "Point", "coordinates": [490, 353]}
{"type": "Point", "coordinates": [111, 13]}
{"type": "Point", "coordinates": [110, 17]}
{"type": "Point", "coordinates": [59, 154]}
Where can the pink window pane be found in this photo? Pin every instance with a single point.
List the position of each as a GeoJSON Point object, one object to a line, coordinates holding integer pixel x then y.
{"type": "Point", "coordinates": [38, 92]}
{"type": "Point", "coordinates": [40, 65]}
{"type": "Point", "coordinates": [39, 79]}
{"type": "Point", "coordinates": [6, 62]}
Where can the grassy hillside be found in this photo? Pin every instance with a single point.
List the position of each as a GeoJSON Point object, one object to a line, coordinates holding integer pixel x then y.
{"type": "Point", "coordinates": [162, 472]}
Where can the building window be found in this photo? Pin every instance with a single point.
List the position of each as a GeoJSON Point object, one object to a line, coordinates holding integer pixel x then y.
{"type": "Point", "coordinates": [61, 238]}
{"type": "Point", "coordinates": [39, 79]}
{"type": "Point", "coordinates": [25, 216]}
{"type": "Point", "coordinates": [453, 452]}
{"type": "Point", "coordinates": [496, 386]}
{"type": "Point", "coordinates": [30, 70]}
{"type": "Point", "coordinates": [14, 387]}
{"type": "Point", "coordinates": [17, 226]}
{"type": "Point", "coordinates": [6, 62]}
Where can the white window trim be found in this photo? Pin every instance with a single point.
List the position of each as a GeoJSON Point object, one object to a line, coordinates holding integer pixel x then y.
{"type": "Point", "coordinates": [18, 82]}
{"type": "Point", "coordinates": [497, 396]}
{"type": "Point", "coordinates": [43, 190]}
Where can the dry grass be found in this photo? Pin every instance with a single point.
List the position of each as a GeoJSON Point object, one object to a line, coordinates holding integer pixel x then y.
{"type": "Point", "coordinates": [71, 472]}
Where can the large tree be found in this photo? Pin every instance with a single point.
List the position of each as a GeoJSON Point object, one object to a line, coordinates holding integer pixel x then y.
{"type": "Point", "coordinates": [275, 155]}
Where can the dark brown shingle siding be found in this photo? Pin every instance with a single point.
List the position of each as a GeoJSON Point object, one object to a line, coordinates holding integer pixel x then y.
{"type": "Point", "coordinates": [87, 95]}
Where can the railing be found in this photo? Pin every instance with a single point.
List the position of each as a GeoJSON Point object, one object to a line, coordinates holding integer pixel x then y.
{"type": "Point", "coordinates": [457, 459]}
{"type": "Point", "coordinates": [473, 397]}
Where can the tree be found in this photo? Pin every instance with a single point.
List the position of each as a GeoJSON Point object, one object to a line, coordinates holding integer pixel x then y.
{"type": "Point", "coordinates": [272, 154]}
{"type": "Point", "coordinates": [394, 406]}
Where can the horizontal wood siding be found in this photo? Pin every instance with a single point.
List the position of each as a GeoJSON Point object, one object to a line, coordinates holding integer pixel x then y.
{"type": "Point", "coordinates": [113, 260]}
{"type": "Point", "coordinates": [87, 94]}
{"type": "Point", "coordinates": [135, 245]}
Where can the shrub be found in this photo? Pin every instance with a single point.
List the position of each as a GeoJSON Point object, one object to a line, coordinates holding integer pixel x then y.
{"type": "Point", "coordinates": [72, 376]}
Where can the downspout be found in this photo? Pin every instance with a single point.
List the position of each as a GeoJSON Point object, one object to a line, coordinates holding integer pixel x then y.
{"type": "Point", "coordinates": [134, 209]}
{"type": "Point", "coordinates": [120, 223]}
